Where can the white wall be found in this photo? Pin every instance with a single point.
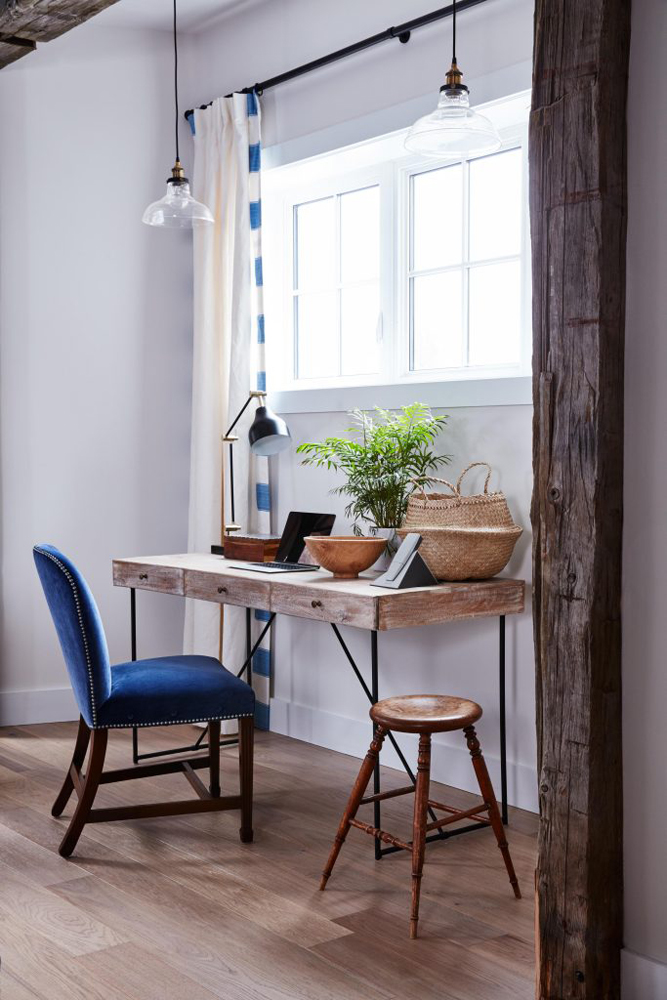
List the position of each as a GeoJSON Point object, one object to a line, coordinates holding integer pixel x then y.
{"type": "Point", "coordinates": [645, 528]}
{"type": "Point", "coordinates": [95, 314]}
{"type": "Point", "coordinates": [316, 697]}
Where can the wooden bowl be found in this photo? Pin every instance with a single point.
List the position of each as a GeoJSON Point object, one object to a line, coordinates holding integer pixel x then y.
{"type": "Point", "coordinates": [346, 556]}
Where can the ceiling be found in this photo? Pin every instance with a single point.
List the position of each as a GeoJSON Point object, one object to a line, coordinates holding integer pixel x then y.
{"type": "Point", "coordinates": [157, 14]}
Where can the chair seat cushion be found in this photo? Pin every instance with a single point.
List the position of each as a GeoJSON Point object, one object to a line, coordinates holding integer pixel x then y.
{"type": "Point", "coordinates": [172, 689]}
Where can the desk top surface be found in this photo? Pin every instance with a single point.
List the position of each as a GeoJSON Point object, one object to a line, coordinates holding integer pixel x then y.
{"type": "Point", "coordinates": [316, 594]}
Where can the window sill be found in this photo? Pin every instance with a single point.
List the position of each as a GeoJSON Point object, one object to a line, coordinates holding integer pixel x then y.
{"type": "Point", "coordinates": [515, 391]}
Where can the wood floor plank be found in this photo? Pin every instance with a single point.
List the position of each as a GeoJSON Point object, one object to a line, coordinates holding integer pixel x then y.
{"type": "Point", "coordinates": [140, 974]}
{"type": "Point", "coordinates": [178, 907]}
{"type": "Point", "coordinates": [37, 864]}
{"type": "Point", "coordinates": [212, 945]}
{"type": "Point", "coordinates": [12, 989]}
{"type": "Point", "coordinates": [432, 960]}
{"type": "Point", "coordinates": [68, 927]}
{"type": "Point", "coordinates": [40, 966]}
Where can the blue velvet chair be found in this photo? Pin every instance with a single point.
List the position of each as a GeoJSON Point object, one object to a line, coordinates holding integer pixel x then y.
{"type": "Point", "coordinates": [164, 691]}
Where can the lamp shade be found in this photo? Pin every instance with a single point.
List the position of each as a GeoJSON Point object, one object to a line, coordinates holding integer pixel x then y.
{"type": "Point", "coordinates": [178, 209]}
{"type": "Point", "coordinates": [453, 129]}
{"type": "Point", "coordinates": [268, 433]}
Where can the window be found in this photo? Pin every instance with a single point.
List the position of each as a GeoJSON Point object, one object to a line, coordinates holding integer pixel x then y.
{"type": "Point", "coordinates": [335, 281]}
{"type": "Point", "coordinates": [387, 268]}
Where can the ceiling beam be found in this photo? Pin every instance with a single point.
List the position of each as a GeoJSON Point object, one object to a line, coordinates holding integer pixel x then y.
{"type": "Point", "coordinates": [23, 23]}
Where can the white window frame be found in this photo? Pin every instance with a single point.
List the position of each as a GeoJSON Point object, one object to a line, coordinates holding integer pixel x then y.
{"type": "Point", "coordinates": [383, 162]}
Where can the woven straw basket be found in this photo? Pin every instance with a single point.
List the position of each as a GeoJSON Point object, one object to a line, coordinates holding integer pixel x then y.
{"type": "Point", "coordinates": [464, 537]}
{"type": "Point", "coordinates": [488, 510]}
{"type": "Point", "coordinates": [466, 553]}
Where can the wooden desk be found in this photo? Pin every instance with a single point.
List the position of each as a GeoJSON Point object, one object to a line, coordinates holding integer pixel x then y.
{"type": "Point", "coordinates": [317, 596]}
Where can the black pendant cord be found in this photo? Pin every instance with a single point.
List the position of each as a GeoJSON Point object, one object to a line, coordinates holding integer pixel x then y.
{"type": "Point", "coordinates": [401, 31]}
{"type": "Point", "coordinates": [176, 80]}
{"type": "Point", "coordinates": [454, 32]}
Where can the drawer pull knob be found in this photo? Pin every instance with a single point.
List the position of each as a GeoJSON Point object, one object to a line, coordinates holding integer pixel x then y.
{"type": "Point", "coordinates": [143, 576]}
{"type": "Point", "coordinates": [316, 604]}
{"type": "Point", "coordinates": [222, 590]}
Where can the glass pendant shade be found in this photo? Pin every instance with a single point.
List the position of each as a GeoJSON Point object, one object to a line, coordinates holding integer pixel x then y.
{"type": "Point", "coordinates": [268, 433]}
{"type": "Point", "coordinates": [178, 209]}
{"type": "Point", "coordinates": [453, 130]}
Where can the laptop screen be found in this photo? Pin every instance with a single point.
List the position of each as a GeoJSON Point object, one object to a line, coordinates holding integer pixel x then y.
{"type": "Point", "coordinates": [299, 524]}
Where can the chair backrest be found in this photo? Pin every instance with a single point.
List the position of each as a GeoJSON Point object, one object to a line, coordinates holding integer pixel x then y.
{"type": "Point", "coordinates": [79, 629]}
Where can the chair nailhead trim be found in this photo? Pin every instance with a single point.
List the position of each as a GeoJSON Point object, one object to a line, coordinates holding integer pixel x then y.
{"type": "Point", "coordinates": [178, 722]}
{"type": "Point", "coordinates": [70, 579]}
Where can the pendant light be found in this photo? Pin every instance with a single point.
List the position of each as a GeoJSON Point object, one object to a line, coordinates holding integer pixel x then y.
{"type": "Point", "coordinates": [453, 130]}
{"type": "Point", "coordinates": [178, 209]}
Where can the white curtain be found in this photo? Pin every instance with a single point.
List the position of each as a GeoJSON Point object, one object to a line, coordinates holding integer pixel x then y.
{"type": "Point", "coordinates": [228, 360]}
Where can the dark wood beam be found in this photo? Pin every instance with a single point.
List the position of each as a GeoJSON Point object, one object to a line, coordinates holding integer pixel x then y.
{"type": "Point", "coordinates": [578, 219]}
{"type": "Point", "coordinates": [31, 21]}
{"type": "Point", "coordinates": [12, 48]}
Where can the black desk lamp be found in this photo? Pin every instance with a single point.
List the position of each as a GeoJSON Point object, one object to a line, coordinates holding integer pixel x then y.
{"type": "Point", "coordinates": [268, 435]}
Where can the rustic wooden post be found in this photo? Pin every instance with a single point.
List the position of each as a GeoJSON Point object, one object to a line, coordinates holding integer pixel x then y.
{"type": "Point", "coordinates": [578, 220]}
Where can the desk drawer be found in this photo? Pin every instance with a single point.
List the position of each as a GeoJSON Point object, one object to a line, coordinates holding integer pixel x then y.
{"type": "Point", "coordinates": [163, 579]}
{"type": "Point", "coordinates": [326, 606]}
{"type": "Point", "coordinates": [246, 593]}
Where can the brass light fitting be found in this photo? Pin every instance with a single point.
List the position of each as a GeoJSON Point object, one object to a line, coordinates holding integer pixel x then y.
{"type": "Point", "coordinates": [453, 79]}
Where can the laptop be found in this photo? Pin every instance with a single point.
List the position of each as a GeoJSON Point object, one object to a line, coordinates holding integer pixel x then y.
{"type": "Point", "coordinates": [298, 526]}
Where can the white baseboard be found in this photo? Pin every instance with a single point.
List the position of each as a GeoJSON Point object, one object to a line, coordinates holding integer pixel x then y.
{"type": "Point", "coordinates": [642, 978]}
{"type": "Point", "coordinates": [20, 708]}
{"type": "Point", "coordinates": [450, 764]}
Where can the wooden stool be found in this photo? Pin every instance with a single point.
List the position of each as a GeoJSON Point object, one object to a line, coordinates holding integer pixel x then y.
{"type": "Point", "coordinates": [423, 714]}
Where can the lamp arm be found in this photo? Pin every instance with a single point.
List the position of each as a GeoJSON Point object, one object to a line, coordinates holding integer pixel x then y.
{"type": "Point", "coordinates": [254, 394]}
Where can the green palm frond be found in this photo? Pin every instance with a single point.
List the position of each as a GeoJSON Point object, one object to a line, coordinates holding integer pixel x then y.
{"type": "Point", "coordinates": [386, 454]}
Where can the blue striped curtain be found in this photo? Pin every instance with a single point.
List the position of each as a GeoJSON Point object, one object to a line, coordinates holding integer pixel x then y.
{"type": "Point", "coordinates": [229, 360]}
{"type": "Point", "coordinates": [261, 516]}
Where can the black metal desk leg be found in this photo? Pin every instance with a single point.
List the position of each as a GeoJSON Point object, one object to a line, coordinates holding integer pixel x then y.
{"type": "Point", "coordinates": [376, 773]}
{"type": "Point", "coordinates": [503, 721]}
{"type": "Point", "coordinates": [133, 646]}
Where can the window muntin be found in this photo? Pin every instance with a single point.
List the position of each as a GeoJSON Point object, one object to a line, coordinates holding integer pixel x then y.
{"type": "Point", "coordinates": [336, 294]}
{"type": "Point", "coordinates": [465, 231]}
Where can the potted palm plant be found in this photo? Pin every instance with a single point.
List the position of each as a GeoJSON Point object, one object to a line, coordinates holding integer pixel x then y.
{"type": "Point", "coordinates": [383, 457]}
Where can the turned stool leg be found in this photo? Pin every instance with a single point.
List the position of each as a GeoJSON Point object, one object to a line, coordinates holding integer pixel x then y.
{"type": "Point", "coordinates": [486, 788]}
{"type": "Point", "coordinates": [357, 795]}
{"type": "Point", "coordinates": [419, 825]}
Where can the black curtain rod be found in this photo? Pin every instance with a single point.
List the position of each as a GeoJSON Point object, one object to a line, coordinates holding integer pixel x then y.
{"type": "Point", "coordinates": [402, 32]}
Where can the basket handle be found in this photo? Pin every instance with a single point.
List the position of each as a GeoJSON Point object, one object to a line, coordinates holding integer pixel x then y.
{"type": "Point", "coordinates": [433, 479]}
{"type": "Point", "coordinates": [472, 466]}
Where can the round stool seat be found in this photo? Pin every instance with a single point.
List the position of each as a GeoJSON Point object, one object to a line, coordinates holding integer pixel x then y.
{"type": "Point", "coordinates": [425, 713]}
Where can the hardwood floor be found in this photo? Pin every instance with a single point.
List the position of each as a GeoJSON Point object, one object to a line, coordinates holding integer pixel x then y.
{"type": "Point", "coordinates": [179, 909]}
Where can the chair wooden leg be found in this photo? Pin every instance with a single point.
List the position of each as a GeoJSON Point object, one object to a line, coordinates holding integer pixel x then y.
{"type": "Point", "coordinates": [214, 755]}
{"type": "Point", "coordinates": [419, 825]}
{"type": "Point", "coordinates": [246, 748]}
{"type": "Point", "coordinates": [98, 747]}
{"type": "Point", "coordinates": [357, 795]}
{"type": "Point", "coordinates": [486, 788]}
{"type": "Point", "coordinates": [78, 757]}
